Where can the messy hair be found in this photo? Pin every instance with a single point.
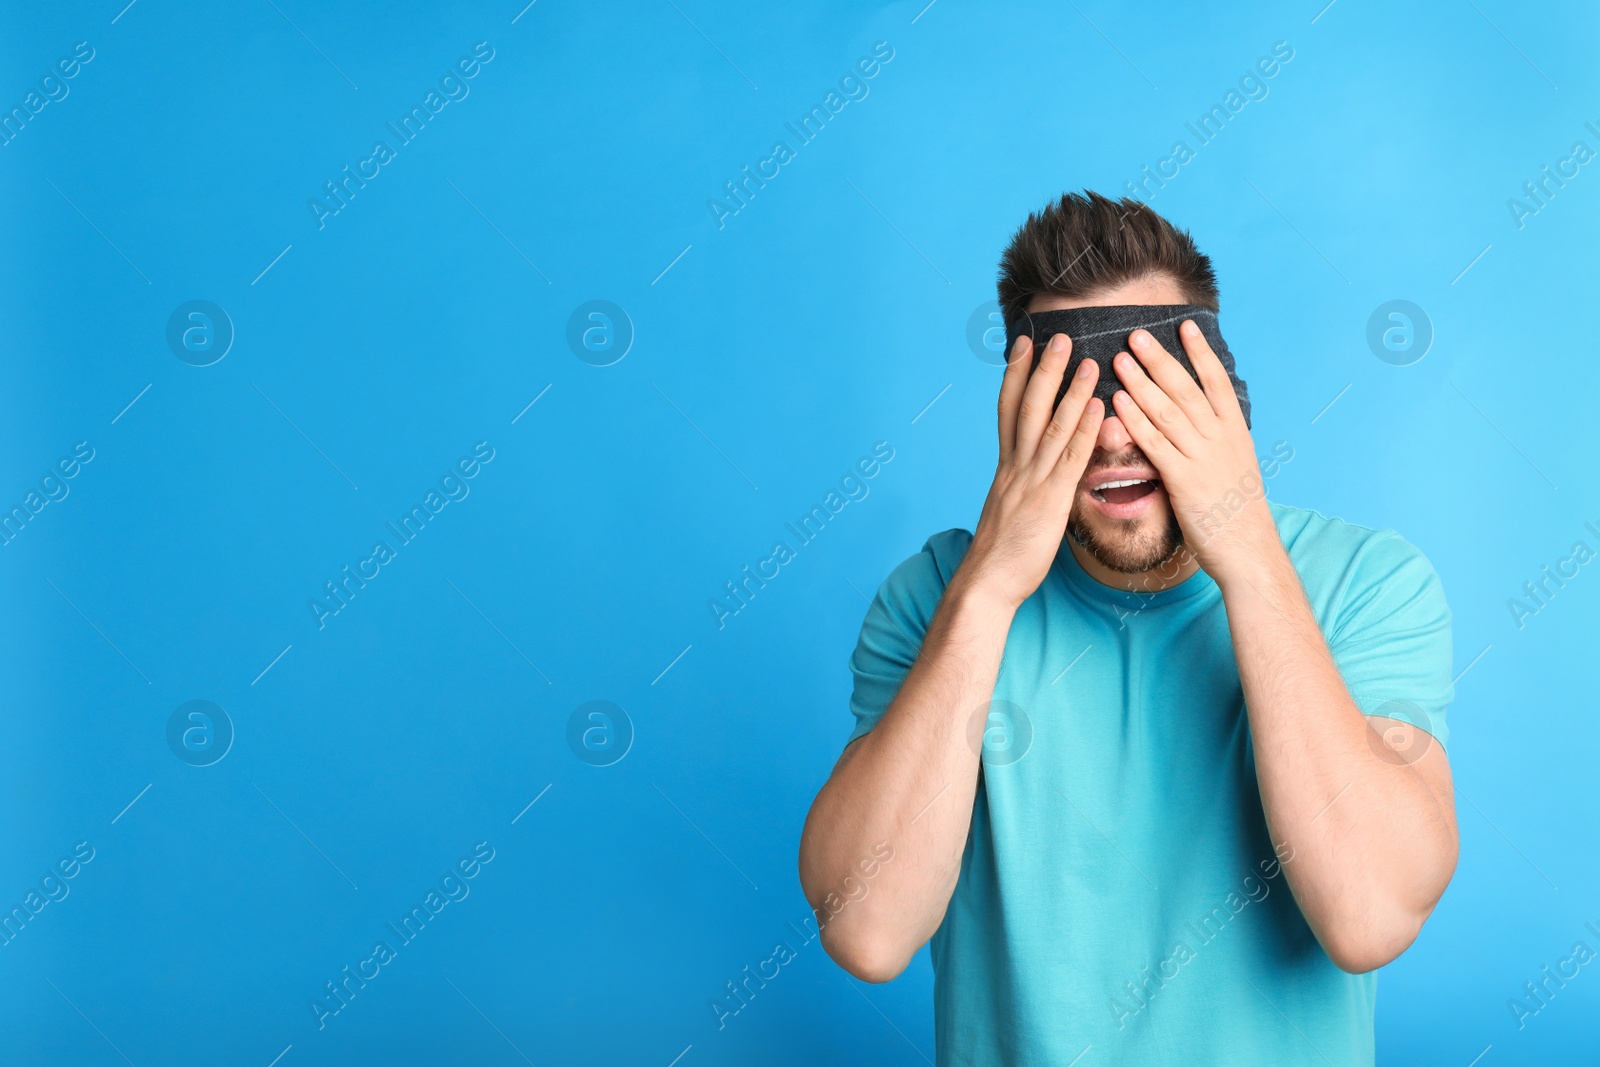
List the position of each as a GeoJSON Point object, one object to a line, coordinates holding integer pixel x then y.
{"type": "Point", "coordinates": [1086, 243]}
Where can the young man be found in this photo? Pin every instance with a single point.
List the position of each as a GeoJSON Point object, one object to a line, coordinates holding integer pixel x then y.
{"type": "Point", "coordinates": [1160, 762]}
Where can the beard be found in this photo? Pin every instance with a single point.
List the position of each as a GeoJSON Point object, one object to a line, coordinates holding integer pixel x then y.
{"type": "Point", "coordinates": [1126, 546]}
{"type": "Point", "coordinates": [1130, 546]}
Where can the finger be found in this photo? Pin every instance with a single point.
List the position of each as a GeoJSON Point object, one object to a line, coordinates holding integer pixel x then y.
{"type": "Point", "coordinates": [1213, 375]}
{"type": "Point", "coordinates": [1155, 405]}
{"type": "Point", "coordinates": [1011, 393]}
{"type": "Point", "coordinates": [1069, 468]}
{"type": "Point", "coordinates": [1067, 416]}
{"type": "Point", "coordinates": [1173, 379]}
{"type": "Point", "coordinates": [1146, 434]}
{"type": "Point", "coordinates": [1038, 399]}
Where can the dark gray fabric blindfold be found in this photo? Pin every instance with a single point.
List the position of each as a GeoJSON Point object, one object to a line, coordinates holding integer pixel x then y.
{"type": "Point", "coordinates": [1099, 333]}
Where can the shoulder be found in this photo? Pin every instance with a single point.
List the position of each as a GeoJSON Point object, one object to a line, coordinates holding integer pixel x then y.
{"type": "Point", "coordinates": [1347, 568]}
{"type": "Point", "coordinates": [1319, 539]}
{"type": "Point", "coordinates": [946, 549]}
{"type": "Point", "coordinates": [899, 616]}
{"type": "Point", "coordinates": [919, 580]}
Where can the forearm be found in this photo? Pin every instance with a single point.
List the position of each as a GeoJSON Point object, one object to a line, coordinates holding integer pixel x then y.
{"type": "Point", "coordinates": [1372, 847]}
{"type": "Point", "coordinates": [909, 784]}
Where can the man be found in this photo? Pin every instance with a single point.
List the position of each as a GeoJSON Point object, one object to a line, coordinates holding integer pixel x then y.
{"type": "Point", "coordinates": [1160, 762]}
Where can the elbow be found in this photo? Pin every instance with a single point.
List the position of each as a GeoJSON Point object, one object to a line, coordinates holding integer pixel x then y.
{"type": "Point", "coordinates": [1360, 958]}
{"type": "Point", "coordinates": [1359, 948]}
{"type": "Point", "coordinates": [863, 957]}
{"type": "Point", "coordinates": [1375, 932]}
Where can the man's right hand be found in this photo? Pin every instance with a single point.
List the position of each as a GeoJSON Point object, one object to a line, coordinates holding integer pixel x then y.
{"type": "Point", "coordinates": [1042, 460]}
{"type": "Point", "coordinates": [911, 781]}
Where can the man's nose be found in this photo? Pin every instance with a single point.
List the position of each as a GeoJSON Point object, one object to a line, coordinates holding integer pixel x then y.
{"type": "Point", "coordinates": [1113, 436]}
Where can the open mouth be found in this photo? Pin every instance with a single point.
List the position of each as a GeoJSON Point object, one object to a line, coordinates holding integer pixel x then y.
{"type": "Point", "coordinates": [1124, 490]}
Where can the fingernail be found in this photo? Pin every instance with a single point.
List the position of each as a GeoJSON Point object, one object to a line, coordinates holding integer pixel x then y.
{"type": "Point", "coordinates": [1140, 338]}
{"type": "Point", "coordinates": [1058, 342]}
{"type": "Point", "coordinates": [1086, 369]}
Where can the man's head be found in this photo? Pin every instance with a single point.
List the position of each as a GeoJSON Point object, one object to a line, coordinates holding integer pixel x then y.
{"type": "Point", "coordinates": [1088, 251]}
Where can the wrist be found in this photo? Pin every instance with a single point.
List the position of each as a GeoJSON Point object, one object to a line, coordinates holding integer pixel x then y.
{"type": "Point", "coordinates": [1255, 557]}
{"type": "Point", "coordinates": [1247, 549]}
{"type": "Point", "coordinates": [971, 596]}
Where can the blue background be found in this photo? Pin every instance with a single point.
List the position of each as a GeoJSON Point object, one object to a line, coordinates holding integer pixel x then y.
{"type": "Point", "coordinates": [768, 355]}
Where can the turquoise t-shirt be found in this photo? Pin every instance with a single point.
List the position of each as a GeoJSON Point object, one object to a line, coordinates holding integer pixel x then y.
{"type": "Point", "coordinates": [1118, 893]}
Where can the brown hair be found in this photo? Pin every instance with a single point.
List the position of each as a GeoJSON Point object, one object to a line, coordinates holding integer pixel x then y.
{"type": "Point", "coordinates": [1086, 243]}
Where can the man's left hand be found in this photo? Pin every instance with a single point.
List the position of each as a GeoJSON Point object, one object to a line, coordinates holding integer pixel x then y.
{"type": "Point", "coordinates": [1197, 439]}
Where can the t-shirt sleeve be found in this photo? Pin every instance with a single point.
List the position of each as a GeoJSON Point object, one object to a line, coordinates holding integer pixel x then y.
{"type": "Point", "coordinates": [895, 624]}
{"type": "Point", "coordinates": [1391, 640]}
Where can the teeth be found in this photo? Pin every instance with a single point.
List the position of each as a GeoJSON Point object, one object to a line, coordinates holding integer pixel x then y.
{"type": "Point", "coordinates": [1119, 484]}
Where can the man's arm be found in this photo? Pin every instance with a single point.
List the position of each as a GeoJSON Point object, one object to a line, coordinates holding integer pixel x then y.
{"type": "Point", "coordinates": [910, 783]}
{"type": "Point", "coordinates": [1373, 832]}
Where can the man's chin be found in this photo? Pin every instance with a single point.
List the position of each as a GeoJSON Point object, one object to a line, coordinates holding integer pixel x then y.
{"type": "Point", "coordinates": [1128, 547]}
